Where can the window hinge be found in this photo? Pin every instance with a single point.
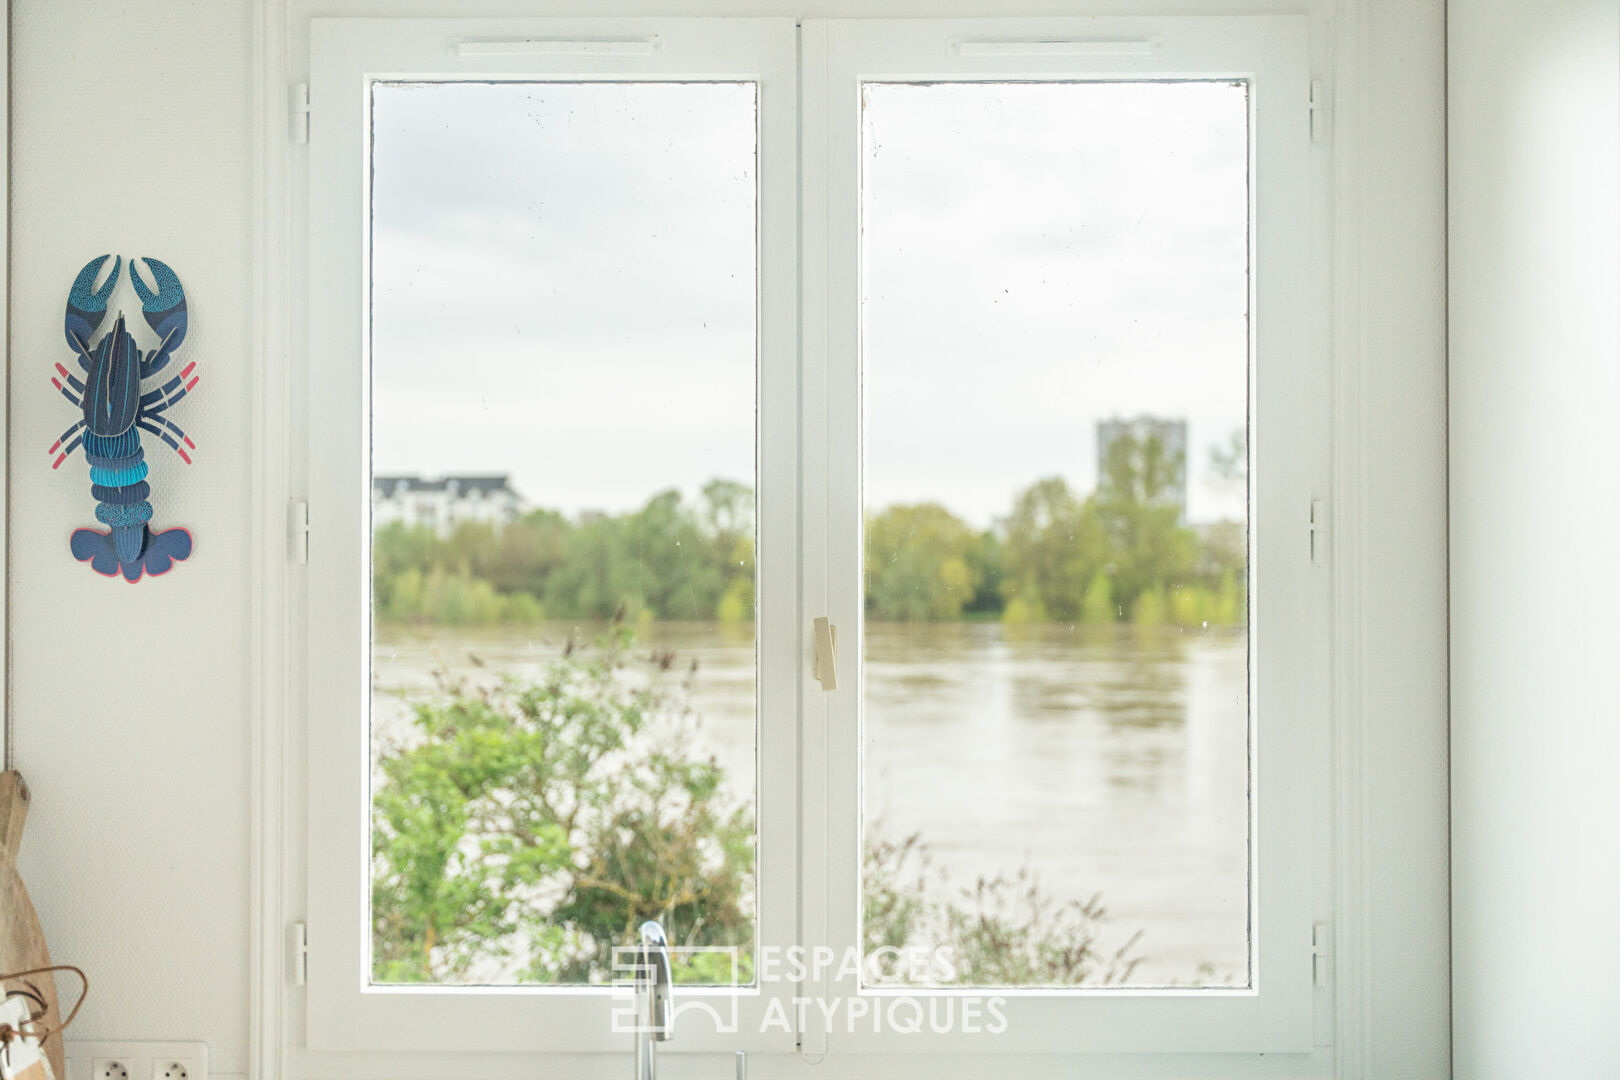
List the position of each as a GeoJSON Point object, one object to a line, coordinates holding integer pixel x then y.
{"type": "Point", "coordinates": [1321, 952]}
{"type": "Point", "coordinates": [298, 531]}
{"type": "Point", "coordinates": [298, 114]}
{"type": "Point", "coordinates": [298, 953]}
{"type": "Point", "coordinates": [826, 658]}
{"type": "Point", "coordinates": [1319, 111]}
{"type": "Point", "coordinates": [1319, 532]}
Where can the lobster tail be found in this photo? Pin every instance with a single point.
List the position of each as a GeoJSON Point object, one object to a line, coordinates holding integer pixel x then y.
{"type": "Point", "coordinates": [155, 552]}
{"type": "Point", "coordinates": [128, 541]}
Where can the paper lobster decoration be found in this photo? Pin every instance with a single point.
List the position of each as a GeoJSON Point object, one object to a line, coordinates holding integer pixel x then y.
{"type": "Point", "coordinates": [116, 412]}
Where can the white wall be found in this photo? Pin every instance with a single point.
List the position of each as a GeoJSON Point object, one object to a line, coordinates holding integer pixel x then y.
{"type": "Point", "coordinates": [130, 135]}
{"type": "Point", "coordinates": [1535, 536]}
{"type": "Point", "coordinates": [1393, 368]}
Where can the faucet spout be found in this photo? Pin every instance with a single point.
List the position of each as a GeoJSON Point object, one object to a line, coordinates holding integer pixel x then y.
{"type": "Point", "coordinates": [655, 1017]}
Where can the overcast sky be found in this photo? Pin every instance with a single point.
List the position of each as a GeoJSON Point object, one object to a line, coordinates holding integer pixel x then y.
{"type": "Point", "coordinates": [563, 284]}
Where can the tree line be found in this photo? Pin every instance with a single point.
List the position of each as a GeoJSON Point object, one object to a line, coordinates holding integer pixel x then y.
{"type": "Point", "coordinates": [1119, 554]}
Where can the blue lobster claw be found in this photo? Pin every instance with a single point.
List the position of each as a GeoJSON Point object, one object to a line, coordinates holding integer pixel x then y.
{"type": "Point", "coordinates": [86, 307]}
{"type": "Point", "coordinates": [165, 309]}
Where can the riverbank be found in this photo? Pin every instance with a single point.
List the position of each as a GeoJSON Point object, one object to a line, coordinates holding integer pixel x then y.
{"type": "Point", "coordinates": [1109, 760]}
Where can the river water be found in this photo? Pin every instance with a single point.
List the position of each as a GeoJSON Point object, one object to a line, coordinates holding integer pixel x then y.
{"type": "Point", "coordinates": [1108, 760]}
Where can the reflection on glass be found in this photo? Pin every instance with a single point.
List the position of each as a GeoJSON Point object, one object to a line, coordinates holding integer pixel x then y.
{"type": "Point", "coordinates": [562, 389]}
{"type": "Point", "coordinates": [1055, 363]}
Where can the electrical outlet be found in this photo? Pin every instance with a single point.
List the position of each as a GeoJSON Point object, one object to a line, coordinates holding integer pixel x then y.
{"type": "Point", "coordinates": [136, 1060]}
{"type": "Point", "coordinates": [109, 1068]}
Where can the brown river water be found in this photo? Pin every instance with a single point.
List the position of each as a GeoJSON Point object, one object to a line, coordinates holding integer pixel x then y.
{"type": "Point", "coordinates": [1110, 760]}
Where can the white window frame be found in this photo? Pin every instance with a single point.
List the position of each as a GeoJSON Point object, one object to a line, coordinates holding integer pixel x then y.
{"type": "Point", "coordinates": [348, 56]}
{"type": "Point", "coordinates": [1291, 465]}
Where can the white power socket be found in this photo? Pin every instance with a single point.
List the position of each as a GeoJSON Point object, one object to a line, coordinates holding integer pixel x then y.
{"type": "Point", "coordinates": [88, 1060]}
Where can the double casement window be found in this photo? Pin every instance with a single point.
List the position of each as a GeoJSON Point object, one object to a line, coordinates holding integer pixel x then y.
{"type": "Point", "coordinates": [841, 488]}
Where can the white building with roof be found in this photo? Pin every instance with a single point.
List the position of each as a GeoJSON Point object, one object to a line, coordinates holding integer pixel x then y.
{"type": "Point", "coordinates": [442, 503]}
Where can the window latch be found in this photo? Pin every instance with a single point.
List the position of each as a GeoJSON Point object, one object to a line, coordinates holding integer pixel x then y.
{"type": "Point", "coordinates": [298, 953]}
{"type": "Point", "coordinates": [826, 657]}
{"type": "Point", "coordinates": [1319, 111]}
{"type": "Point", "coordinates": [1319, 532]}
{"type": "Point", "coordinates": [1321, 953]}
{"type": "Point", "coordinates": [298, 531]}
{"type": "Point", "coordinates": [298, 113]}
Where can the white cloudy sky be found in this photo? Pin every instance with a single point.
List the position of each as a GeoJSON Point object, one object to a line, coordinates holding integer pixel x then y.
{"type": "Point", "coordinates": [564, 284]}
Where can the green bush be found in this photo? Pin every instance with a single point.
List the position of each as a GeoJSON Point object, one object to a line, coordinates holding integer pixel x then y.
{"type": "Point", "coordinates": [528, 828]}
{"type": "Point", "coordinates": [522, 830]}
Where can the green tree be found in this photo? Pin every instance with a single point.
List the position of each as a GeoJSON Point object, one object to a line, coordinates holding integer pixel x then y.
{"type": "Point", "coordinates": [1098, 607]}
{"type": "Point", "coordinates": [1224, 547]}
{"type": "Point", "coordinates": [659, 561]}
{"type": "Point", "coordinates": [1150, 607]}
{"type": "Point", "coordinates": [727, 512]}
{"type": "Point", "coordinates": [396, 550]}
{"type": "Point", "coordinates": [726, 515]}
{"type": "Point", "coordinates": [592, 579]}
{"type": "Point", "coordinates": [919, 563]}
{"type": "Point", "coordinates": [985, 559]}
{"type": "Point", "coordinates": [674, 577]}
{"type": "Point", "coordinates": [1148, 547]}
{"type": "Point", "coordinates": [1053, 545]}
{"type": "Point", "coordinates": [526, 552]}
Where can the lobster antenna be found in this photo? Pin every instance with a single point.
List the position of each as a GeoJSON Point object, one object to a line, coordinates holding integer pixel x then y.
{"type": "Point", "coordinates": [84, 350]}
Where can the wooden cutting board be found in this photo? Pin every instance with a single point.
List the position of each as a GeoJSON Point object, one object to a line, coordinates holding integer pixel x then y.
{"type": "Point", "coordinates": [22, 944]}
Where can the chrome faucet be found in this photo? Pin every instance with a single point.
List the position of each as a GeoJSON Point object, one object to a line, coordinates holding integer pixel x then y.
{"type": "Point", "coordinates": [654, 1015]}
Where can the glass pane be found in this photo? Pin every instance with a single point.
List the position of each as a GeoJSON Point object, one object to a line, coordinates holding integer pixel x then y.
{"type": "Point", "coordinates": [563, 660]}
{"type": "Point", "coordinates": [1055, 357]}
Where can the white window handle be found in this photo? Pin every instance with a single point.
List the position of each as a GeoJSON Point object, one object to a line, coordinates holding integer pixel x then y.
{"type": "Point", "coordinates": [826, 662]}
